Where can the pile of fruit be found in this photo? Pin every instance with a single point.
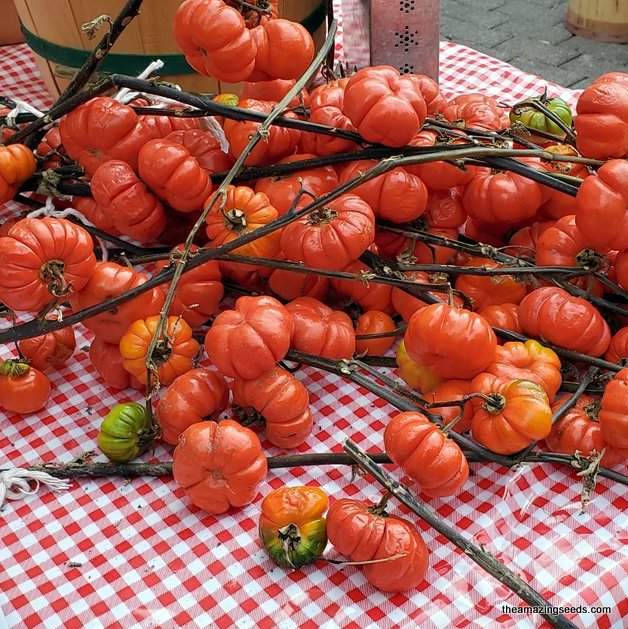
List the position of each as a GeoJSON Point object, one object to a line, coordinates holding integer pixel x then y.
{"type": "Point", "coordinates": [480, 250]}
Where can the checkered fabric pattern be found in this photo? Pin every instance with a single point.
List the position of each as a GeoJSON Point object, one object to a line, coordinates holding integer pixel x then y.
{"type": "Point", "coordinates": [112, 553]}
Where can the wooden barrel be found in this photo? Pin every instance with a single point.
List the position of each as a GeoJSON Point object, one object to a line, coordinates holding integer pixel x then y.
{"type": "Point", "coordinates": [52, 29]}
{"type": "Point", "coordinates": [604, 20]}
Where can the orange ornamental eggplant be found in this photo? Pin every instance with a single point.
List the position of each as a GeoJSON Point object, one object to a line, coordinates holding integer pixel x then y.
{"type": "Point", "coordinates": [244, 211]}
{"type": "Point", "coordinates": [368, 296]}
{"type": "Point", "coordinates": [199, 291]}
{"type": "Point", "coordinates": [248, 341]}
{"type": "Point", "coordinates": [326, 103]}
{"type": "Point", "coordinates": [504, 316]}
{"type": "Point", "coordinates": [613, 415]}
{"type": "Point", "coordinates": [292, 525]}
{"type": "Point", "coordinates": [439, 175]}
{"type": "Point", "coordinates": [445, 209]}
{"type": "Point", "coordinates": [51, 148]}
{"type": "Point", "coordinates": [53, 349]}
{"type": "Point", "coordinates": [375, 322]}
{"type": "Point", "coordinates": [487, 290]}
{"type": "Point", "coordinates": [602, 120]}
{"type": "Point", "coordinates": [617, 351]}
{"type": "Point", "coordinates": [502, 197]}
{"type": "Point", "coordinates": [578, 430]}
{"type": "Point", "coordinates": [107, 361]}
{"type": "Point", "coordinates": [103, 129]}
{"type": "Point", "coordinates": [282, 191]}
{"type": "Point", "coordinates": [528, 361]}
{"type": "Point", "coordinates": [215, 40]}
{"type": "Point", "coordinates": [204, 147]}
{"type": "Point", "coordinates": [195, 396]}
{"type": "Point", "coordinates": [560, 204]}
{"type": "Point", "coordinates": [418, 377]}
{"type": "Point", "coordinates": [285, 49]}
{"type": "Point", "coordinates": [23, 389]}
{"type": "Point", "coordinates": [602, 206]}
{"type": "Point", "coordinates": [289, 285]}
{"type": "Point", "coordinates": [108, 280]}
{"type": "Point", "coordinates": [396, 196]}
{"type": "Point", "coordinates": [476, 111]}
{"type": "Point", "coordinates": [174, 175]}
{"type": "Point", "coordinates": [563, 244]}
{"type": "Point", "coordinates": [385, 106]}
{"type": "Point", "coordinates": [403, 302]}
{"type": "Point", "coordinates": [42, 260]}
{"type": "Point", "coordinates": [17, 164]}
{"type": "Point", "coordinates": [512, 415]}
{"type": "Point", "coordinates": [453, 342]}
{"type": "Point", "coordinates": [96, 214]}
{"type": "Point", "coordinates": [486, 233]}
{"type": "Point", "coordinates": [219, 465]}
{"type": "Point", "coordinates": [552, 314]}
{"type": "Point", "coordinates": [162, 126]}
{"type": "Point", "coordinates": [434, 100]}
{"type": "Point", "coordinates": [449, 391]}
{"type": "Point", "coordinates": [280, 142]}
{"type": "Point", "coordinates": [281, 401]}
{"type": "Point", "coordinates": [320, 330]}
{"type": "Point", "coordinates": [362, 531]}
{"type": "Point", "coordinates": [333, 236]}
{"type": "Point", "coordinates": [174, 354]}
{"type": "Point", "coordinates": [426, 454]}
{"type": "Point", "coordinates": [523, 242]}
{"type": "Point", "coordinates": [134, 210]}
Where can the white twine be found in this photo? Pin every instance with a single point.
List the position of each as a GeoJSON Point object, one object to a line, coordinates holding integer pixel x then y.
{"type": "Point", "coordinates": [50, 210]}
{"type": "Point", "coordinates": [16, 483]}
{"type": "Point", "coordinates": [125, 95]}
{"type": "Point", "coordinates": [209, 123]}
{"type": "Point", "coordinates": [519, 472]}
{"type": "Point", "coordinates": [21, 107]}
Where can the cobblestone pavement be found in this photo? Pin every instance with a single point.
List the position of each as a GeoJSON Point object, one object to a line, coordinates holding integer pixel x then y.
{"type": "Point", "coordinates": [530, 34]}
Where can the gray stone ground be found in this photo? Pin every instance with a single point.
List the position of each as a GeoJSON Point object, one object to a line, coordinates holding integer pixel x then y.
{"type": "Point", "coordinates": [530, 34]}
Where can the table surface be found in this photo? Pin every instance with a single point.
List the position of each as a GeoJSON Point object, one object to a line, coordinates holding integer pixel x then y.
{"type": "Point", "coordinates": [118, 553]}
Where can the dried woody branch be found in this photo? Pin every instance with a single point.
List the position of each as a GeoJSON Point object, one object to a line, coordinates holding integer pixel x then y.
{"type": "Point", "coordinates": [482, 557]}
{"type": "Point", "coordinates": [397, 396]}
{"type": "Point", "coordinates": [37, 327]}
{"type": "Point", "coordinates": [130, 10]}
{"type": "Point", "coordinates": [217, 197]}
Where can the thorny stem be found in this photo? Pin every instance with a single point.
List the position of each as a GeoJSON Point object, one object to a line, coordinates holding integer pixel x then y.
{"type": "Point", "coordinates": [477, 554]}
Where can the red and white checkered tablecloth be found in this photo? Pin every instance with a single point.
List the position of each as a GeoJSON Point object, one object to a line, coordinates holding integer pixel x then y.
{"type": "Point", "coordinates": [111, 553]}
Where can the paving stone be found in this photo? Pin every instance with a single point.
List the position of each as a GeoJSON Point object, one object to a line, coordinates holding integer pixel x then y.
{"type": "Point", "coordinates": [554, 34]}
{"type": "Point", "coordinates": [474, 38]}
{"type": "Point", "coordinates": [542, 15]}
{"type": "Point", "coordinates": [563, 76]}
{"type": "Point", "coordinates": [531, 35]}
{"type": "Point", "coordinates": [535, 49]}
{"type": "Point", "coordinates": [590, 66]}
{"type": "Point", "coordinates": [473, 15]}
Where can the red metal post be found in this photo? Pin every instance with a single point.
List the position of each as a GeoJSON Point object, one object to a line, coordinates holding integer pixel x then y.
{"type": "Point", "coordinates": [400, 33]}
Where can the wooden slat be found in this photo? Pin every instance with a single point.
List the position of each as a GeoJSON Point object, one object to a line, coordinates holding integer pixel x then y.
{"type": "Point", "coordinates": [86, 10]}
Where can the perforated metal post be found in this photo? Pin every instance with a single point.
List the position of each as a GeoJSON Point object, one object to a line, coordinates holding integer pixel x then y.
{"type": "Point", "coordinates": [400, 33]}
